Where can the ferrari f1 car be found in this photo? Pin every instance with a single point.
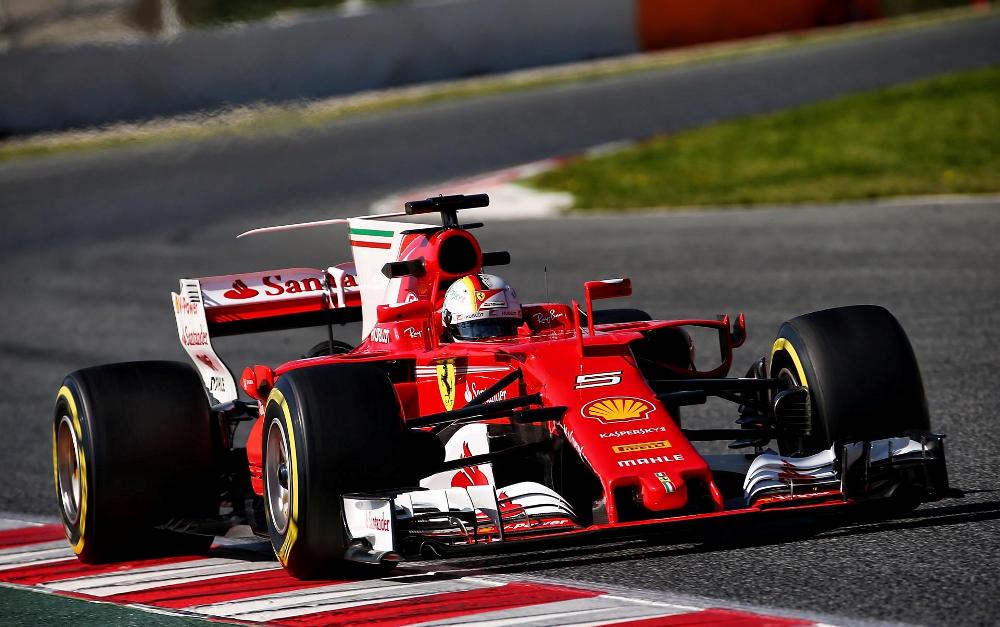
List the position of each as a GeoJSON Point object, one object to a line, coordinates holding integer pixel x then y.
{"type": "Point", "coordinates": [418, 442]}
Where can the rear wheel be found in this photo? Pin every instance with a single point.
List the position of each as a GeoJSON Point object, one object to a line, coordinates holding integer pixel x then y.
{"type": "Point", "coordinates": [132, 449]}
{"type": "Point", "coordinates": [328, 347]}
{"type": "Point", "coordinates": [328, 430]}
{"type": "Point", "coordinates": [862, 376]}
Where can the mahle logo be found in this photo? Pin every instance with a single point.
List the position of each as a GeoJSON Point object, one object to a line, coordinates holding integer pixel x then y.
{"type": "Point", "coordinates": [612, 409]}
{"type": "Point", "coordinates": [643, 461]}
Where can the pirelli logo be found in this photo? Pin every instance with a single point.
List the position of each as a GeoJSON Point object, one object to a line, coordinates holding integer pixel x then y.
{"type": "Point", "coordinates": [641, 446]}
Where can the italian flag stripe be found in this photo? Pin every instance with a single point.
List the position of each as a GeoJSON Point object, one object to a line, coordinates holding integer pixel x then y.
{"type": "Point", "coordinates": [364, 244]}
{"type": "Point", "coordinates": [371, 232]}
{"type": "Point", "coordinates": [384, 238]}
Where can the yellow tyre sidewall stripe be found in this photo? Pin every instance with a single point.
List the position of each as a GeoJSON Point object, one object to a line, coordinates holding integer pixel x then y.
{"type": "Point", "coordinates": [292, 533]}
{"type": "Point", "coordinates": [67, 395]}
{"type": "Point", "coordinates": [782, 344]}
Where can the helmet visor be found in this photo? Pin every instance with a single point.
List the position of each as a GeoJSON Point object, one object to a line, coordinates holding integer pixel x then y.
{"type": "Point", "coordinates": [486, 328]}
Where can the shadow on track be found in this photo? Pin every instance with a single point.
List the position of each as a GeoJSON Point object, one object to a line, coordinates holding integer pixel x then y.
{"type": "Point", "coordinates": [750, 535]}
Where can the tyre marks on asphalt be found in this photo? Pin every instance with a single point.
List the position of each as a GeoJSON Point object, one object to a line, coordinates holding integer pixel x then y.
{"type": "Point", "coordinates": [244, 585]}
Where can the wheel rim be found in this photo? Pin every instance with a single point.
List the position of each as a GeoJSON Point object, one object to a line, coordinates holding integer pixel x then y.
{"type": "Point", "coordinates": [787, 371]}
{"type": "Point", "coordinates": [279, 494]}
{"type": "Point", "coordinates": [68, 463]}
{"type": "Point", "coordinates": [789, 375]}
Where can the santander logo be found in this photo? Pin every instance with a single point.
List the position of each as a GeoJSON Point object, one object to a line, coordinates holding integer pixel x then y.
{"type": "Point", "coordinates": [376, 522]}
{"type": "Point", "coordinates": [240, 291]}
{"type": "Point", "coordinates": [190, 337]}
{"type": "Point", "coordinates": [472, 391]}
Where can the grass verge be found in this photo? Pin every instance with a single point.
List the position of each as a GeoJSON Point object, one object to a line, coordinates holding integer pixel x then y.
{"type": "Point", "coordinates": [284, 118]}
{"type": "Point", "coordinates": [23, 607]}
{"type": "Point", "coordinates": [936, 136]}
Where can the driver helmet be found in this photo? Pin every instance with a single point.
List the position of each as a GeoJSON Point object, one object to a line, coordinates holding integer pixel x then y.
{"type": "Point", "coordinates": [481, 306]}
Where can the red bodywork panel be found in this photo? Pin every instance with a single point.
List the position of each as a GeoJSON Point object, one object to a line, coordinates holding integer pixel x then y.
{"type": "Point", "coordinates": [613, 419]}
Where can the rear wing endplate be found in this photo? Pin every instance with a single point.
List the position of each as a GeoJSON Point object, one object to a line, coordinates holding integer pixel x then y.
{"type": "Point", "coordinates": [270, 300]}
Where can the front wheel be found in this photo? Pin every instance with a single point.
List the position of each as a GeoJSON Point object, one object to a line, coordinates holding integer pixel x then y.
{"type": "Point", "coordinates": [328, 430]}
{"type": "Point", "coordinates": [861, 373]}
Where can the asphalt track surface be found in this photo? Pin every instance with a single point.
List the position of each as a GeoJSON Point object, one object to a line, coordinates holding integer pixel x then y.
{"type": "Point", "coordinates": [91, 244]}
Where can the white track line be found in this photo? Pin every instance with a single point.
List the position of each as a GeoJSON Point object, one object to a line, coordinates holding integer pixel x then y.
{"type": "Point", "coordinates": [601, 610]}
{"type": "Point", "coordinates": [34, 546]}
{"type": "Point", "coordinates": [33, 554]}
{"type": "Point", "coordinates": [150, 577]}
{"type": "Point", "coordinates": [335, 597]}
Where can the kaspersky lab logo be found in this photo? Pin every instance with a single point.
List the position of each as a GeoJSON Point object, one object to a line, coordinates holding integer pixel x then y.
{"type": "Point", "coordinates": [614, 409]}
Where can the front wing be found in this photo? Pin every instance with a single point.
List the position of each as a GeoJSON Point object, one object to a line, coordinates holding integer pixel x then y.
{"type": "Point", "coordinates": [385, 525]}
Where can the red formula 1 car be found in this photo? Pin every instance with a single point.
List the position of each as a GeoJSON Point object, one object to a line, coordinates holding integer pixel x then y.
{"type": "Point", "coordinates": [421, 441]}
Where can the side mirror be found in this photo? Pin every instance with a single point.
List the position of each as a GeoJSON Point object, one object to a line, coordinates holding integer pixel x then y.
{"type": "Point", "coordinates": [739, 332]}
{"type": "Point", "coordinates": [598, 290]}
{"type": "Point", "coordinates": [608, 288]}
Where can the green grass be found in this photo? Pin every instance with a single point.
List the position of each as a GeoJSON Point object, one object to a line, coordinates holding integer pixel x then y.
{"type": "Point", "coordinates": [936, 136]}
{"type": "Point", "coordinates": [23, 607]}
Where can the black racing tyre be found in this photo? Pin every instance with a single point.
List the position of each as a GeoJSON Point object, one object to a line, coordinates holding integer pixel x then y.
{"type": "Point", "coordinates": [328, 347]}
{"type": "Point", "coordinates": [328, 430]}
{"type": "Point", "coordinates": [618, 316]}
{"type": "Point", "coordinates": [862, 376]}
{"type": "Point", "coordinates": [133, 449]}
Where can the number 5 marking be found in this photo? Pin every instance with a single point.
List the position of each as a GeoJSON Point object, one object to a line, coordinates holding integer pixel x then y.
{"type": "Point", "coordinates": [598, 379]}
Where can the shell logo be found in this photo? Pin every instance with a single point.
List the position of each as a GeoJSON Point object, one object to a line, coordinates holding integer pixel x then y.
{"type": "Point", "coordinates": [614, 409]}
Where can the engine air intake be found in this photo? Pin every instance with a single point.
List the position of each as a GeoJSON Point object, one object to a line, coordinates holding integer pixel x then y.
{"type": "Point", "coordinates": [458, 255]}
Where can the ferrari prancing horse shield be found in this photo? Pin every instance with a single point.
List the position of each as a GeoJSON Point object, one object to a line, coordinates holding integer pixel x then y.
{"type": "Point", "coordinates": [446, 382]}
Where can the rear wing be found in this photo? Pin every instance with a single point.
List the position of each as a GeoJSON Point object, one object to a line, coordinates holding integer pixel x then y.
{"type": "Point", "coordinates": [269, 300]}
{"type": "Point", "coordinates": [303, 297]}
